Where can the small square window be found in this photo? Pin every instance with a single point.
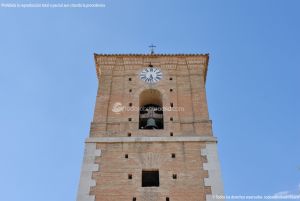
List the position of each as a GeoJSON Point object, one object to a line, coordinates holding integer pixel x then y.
{"type": "Point", "coordinates": [126, 155]}
{"type": "Point", "coordinates": [130, 90]}
{"type": "Point", "coordinates": [171, 78]}
{"type": "Point", "coordinates": [129, 119]}
{"type": "Point", "coordinates": [134, 199]}
{"type": "Point", "coordinates": [167, 199]}
{"type": "Point", "coordinates": [173, 155]}
{"type": "Point", "coordinates": [129, 134]}
{"type": "Point", "coordinates": [171, 90]}
{"type": "Point", "coordinates": [171, 133]}
{"type": "Point", "coordinates": [171, 118]}
{"type": "Point", "coordinates": [129, 176]}
{"type": "Point", "coordinates": [130, 104]}
{"type": "Point", "coordinates": [150, 178]}
{"type": "Point", "coordinates": [174, 176]}
{"type": "Point", "coordinates": [129, 79]}
{"type": "Point", "coordinates": [171, 104]}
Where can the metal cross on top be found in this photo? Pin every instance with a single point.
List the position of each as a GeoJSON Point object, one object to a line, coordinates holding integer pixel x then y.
{"type": "Point", "coordinates": [152, 48]}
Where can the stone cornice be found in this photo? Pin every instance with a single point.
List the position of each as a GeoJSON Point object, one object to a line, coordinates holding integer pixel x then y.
{"type": "Point", "coordinates": [151, 139]}
{"type": "Point", "coordinates": [160, 130]}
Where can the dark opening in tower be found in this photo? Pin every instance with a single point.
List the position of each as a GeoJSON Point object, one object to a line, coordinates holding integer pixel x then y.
{"type": "Point", "coordinates": [151, 111]}
{"type": "Point", "coordinates": [150, 178]}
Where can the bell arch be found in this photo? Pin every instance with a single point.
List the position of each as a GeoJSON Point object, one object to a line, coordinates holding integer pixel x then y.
{"type": "Point", "coordinates": [151, 109]}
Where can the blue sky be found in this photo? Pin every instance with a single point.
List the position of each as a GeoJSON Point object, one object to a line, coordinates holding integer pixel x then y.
{"type": "Point", "coordinates": [48, 86]}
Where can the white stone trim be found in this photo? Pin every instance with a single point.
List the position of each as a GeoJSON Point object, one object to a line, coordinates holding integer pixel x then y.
{"type": "Point", "coordinates": [214, 179]}
{"type": "Point", "coordinates": [87, 169]}
{"type": "Point", "coordinates": [152, 139]}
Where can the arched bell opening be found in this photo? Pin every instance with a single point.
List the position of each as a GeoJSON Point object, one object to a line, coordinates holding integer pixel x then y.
{"type": "Point", "coordinates": [151, 111]}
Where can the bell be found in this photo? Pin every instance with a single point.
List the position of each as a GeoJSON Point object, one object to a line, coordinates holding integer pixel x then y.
{"type": "Point", "coordinates": [151, 124]}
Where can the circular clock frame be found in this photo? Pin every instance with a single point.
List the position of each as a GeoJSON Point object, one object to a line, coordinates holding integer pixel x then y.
{"type": "Point", "coordinates": [151, 75]}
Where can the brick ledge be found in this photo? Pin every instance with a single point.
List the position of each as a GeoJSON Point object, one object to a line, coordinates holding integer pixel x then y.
{"type": "Point", "coordinates": [152, 139]}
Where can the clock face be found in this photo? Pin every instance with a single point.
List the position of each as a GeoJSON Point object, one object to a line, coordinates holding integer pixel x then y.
{"type": "Point", "coordinates": [151, 75]}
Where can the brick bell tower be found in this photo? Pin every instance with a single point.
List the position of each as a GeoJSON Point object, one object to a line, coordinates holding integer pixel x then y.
{"type": "Point", "coordinates": [151, 137]}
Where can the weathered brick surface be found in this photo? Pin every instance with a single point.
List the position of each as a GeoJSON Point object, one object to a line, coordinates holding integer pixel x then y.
{"type": "Point", "coordinates": [112, 181]}
{"type": "Point", "coordinates": [188, 73]}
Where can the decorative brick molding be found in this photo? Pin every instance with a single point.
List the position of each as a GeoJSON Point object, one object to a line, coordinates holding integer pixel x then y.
{"type": "Point", "coordinates": [87, 169]}
{"type": "Point", "coordinates": [105, 63]}
{"type": "Point", "coordinates": [214, 172]}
